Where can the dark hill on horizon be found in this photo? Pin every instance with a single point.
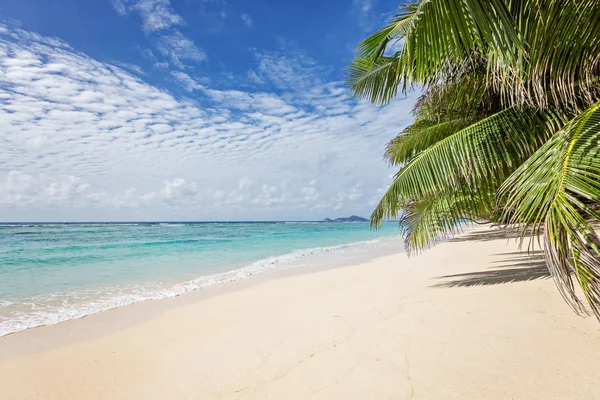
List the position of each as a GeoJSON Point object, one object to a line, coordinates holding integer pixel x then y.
{"type": "Point", "coordinates": [352, 218]}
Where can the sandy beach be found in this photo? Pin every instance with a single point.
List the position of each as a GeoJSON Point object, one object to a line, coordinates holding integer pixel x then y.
{"type": "Point", "coordinates": [471, 318]}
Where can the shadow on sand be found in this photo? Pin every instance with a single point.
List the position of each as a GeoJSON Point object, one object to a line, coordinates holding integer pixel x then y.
{"type": "Point", "coordinates": [508, 267]}
{"type": "Point", "coordinates": [491, 234]}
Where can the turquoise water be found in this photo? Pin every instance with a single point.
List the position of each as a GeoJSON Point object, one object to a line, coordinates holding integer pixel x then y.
{"type": "Point", "coordinates": [55, 272]}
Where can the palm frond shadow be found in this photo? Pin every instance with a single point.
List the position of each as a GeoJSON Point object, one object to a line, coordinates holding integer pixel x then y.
{"type": "Point", "coordinates": [492, 234]}
{"type": "Point", "coordinates": [512, 267]}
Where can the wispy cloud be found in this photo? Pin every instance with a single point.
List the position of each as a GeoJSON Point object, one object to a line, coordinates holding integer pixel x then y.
{"type": "Point", "coordinates": [364, 13]}
{"type": "Point", "coordinates": [159, 18]}
{"type": "Point", "coordinates": [156, 14]}
{"type": "Point", "coordinates": [247, 20]}
{"type": "Point", "coordinates": [186, 81]}
{"type": "Point", "coordinates": [288, 68]}
{"type": "Point", "coordinates": [120, 6]}
{"type": "Point", "coordinates": [136, 69]}
{"type": "Point", "coordinates": [363, 6]}
{"type": "Point", "coordinates": [178, 49]}
{"type": "Point", "coordinates": [253, 76]}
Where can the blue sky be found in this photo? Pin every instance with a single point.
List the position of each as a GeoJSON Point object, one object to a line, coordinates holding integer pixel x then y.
{"type": "Point", "coordinates": [188, 110]}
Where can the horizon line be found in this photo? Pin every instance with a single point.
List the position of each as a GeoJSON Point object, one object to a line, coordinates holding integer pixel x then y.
{"type": "Point", "coordinates": [164, 221]}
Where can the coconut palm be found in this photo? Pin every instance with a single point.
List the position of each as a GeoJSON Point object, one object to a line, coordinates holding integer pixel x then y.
{"type": "Point", "coordinates": [507, 128]}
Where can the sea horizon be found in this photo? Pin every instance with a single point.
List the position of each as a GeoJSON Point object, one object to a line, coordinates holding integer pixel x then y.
{"type": "Point", "coordinates": [170, 222]}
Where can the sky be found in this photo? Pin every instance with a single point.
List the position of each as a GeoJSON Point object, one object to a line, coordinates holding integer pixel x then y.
{"type": "Point", "coordinates": [165, 110]}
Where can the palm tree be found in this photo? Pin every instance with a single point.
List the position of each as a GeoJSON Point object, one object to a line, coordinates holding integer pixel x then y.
{"type": "Point", "coordinates": [507, 128]}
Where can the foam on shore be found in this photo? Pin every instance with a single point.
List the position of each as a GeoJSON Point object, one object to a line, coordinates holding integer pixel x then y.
{"type": "Point", "coordinates": [57, 307]}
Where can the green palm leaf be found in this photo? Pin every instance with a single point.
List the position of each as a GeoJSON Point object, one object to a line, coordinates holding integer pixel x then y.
{"type": "Point", "coordinates": [418, 137]}
{"type": "Point", "coordinates": [377, 80]}
{"type": "Point", "coordinates": [553, 192]}
{"type": "Point", "coordinates": [398, 26]}
{"type": "Point", "coordinates": [479, 157]}
{"type": "Point", "coordinates": [562, 43]}
{"type": "Point", "coordinates": [440, 40]}
{"type": "Point", "coordinates": [501, 79]}
{"type": "Point", "coordinates": [427, 221]}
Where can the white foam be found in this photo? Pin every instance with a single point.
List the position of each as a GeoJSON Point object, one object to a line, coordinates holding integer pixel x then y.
{"type": "Point", "coordinates": [62, 306]}
{"type": "Point", "coordinates": [5, 303]}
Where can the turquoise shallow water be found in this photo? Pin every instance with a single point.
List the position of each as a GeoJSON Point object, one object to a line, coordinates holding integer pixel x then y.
{"type": "Point", "coordinates": [54, 272]}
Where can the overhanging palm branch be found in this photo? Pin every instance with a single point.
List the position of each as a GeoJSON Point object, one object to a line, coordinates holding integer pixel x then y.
{"type": "Point", "coordinates": [419, 137]}
{"type": "Point", "coordinates": [479, 157]}
{"type": "Point", "coordinates": [529, 48]}
{"type": "Point", "coordinates": [398, 26]}
{"type": "Point", "coordinates": [429, 220]}
{"type": "Point", "coordinates": [466, 96]}
{"type": "Point", "coordinates": [378, 80]}
{"type": "Point", "coordinates": [517, 71]}
{"type": "Point", "coordinates": [441, 38]}
{"type": "Point", "coordinates": [439, 112]}
{"type": "Point", "coordinates": [553, 193]}
{"type": "Point", "coordinates": [562, 43]}
{"type": "Point", "coordinates": [447, 34]}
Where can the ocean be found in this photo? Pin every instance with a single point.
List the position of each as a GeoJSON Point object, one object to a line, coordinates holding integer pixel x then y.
{"type": "Point", "coordinates": [55, 272]}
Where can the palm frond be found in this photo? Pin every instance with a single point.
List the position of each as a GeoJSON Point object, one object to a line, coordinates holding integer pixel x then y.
{"type": "Point", "coordinates": [447, 33]}
{"type": "Point", "coordinates": [528, 46]}
{"type": "Point", "coordinates": [466, 96]}
{"type": "Point", "coordinates": [552, 193]}
{"type": "Point", "coordinates": [501, 79]}
{"type": "Point", "coordinates": [427, 221]}
{"type": "Point", "coordinates": [397, 27]}
{"type": "Point", "coordinates": [378, 80]}
{"type": "Point", "coordinates": [562, 54]}
{"type": "Point", "coordinates": [478, 157]}
{"type": "Point", "coordinates": [441, 37]}
{"type": "Point", "coordinates": [418, 137]}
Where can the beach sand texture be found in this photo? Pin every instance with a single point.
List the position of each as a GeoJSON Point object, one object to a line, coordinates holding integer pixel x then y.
{"type": "Point", "coordinates": [469, 319]}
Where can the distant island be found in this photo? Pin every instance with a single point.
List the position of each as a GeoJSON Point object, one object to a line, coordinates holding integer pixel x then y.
{"type": "Point", "coordinates": [352, 218]}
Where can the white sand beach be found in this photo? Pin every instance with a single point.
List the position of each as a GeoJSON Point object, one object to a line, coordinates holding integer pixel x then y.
{"type": "Point", "coordinates": [471, 318]}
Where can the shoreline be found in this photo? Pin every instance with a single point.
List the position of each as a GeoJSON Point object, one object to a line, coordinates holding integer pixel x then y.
{"type": "Point", "coordinates": [470, 318]}
{"type": "Point", "coordinates": [286, 261]}
{"type": "Point", "coordinates": [71, 330]}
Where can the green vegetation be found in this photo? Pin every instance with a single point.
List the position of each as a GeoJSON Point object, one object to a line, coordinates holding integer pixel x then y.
{"type": "Point", "coordinates": [507, 128]}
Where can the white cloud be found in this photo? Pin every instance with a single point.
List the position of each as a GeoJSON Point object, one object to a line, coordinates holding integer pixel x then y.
{"type": "Point", "coordinates": [364, 13]}
{"type": "Point", "coordinates": [353, 195]}
{"type": "Point", "coordinates": [156, 14]}
{"type": "Point", "coordinates": [247, 20]}
{"type": "Point", "coordinates": [311, 192]}
{"type": "Point", "coordinates": [120, 7]}
{"type": "Point", "coordinates": [82, 133]}
{"type": "Point", "coordinates": [245, 182]}
{"type": "Point", "coordinates": [255, 78]}
{"type": "Point", "coordinates": [186, 81]}
{"type": "Point", "coordinates": [179, 189]}
{"type": "Point", "coordinates": [136, 69]}
{"type": "Point", "coordinates": [22, 190]}
{"type": "Point", "coordinates": [289, 68]}
{"type": "Point", "coordinates": [178, 48]}
{"type": "Point", "coordinates": [363, 6]}
{"type": "Point", "coordinates": [159, 18]}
